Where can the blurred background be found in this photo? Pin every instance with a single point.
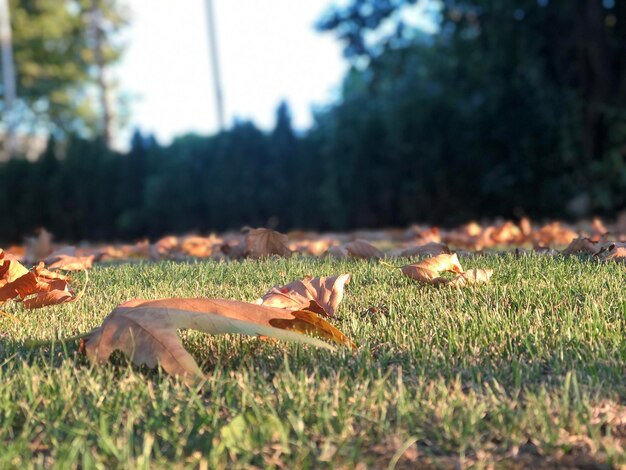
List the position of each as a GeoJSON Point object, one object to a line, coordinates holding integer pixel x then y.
{"type": "Point", "coordinates": [136, 118]}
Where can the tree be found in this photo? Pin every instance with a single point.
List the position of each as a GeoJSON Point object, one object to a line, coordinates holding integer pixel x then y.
{"type": "Point", "coordinates": [59, 58]}
{"type": "Point", "coordinates": [527, 97]}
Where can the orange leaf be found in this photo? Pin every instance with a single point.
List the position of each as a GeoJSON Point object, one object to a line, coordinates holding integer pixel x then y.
{"type": "Point", "coordinates": [429, 270]}
{"type": "Point", "coordinates": [146, 330]}
{"type": "Point", "coordinates": [326, 291]}
{"type": "Point", "coordinates": [429, 249]}
{"type": "Point", "coordinates": [363, 249]}
{"type": "Point", "coordinates": [263, 242]}
{"type": "Point", "coordinates": [72, 263]}
{"type": "Point", "coordinates": [52, 297]}
{"type": "Point", "coordinates": [23, 286]}
{"type": "Point", "coordinates": [471, 276]}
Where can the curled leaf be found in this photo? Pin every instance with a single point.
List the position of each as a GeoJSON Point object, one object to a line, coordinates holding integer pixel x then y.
{"type": "Point", "coordinates": [428, 249]}
{"type": "Point", "coordinates": [263, 242]}
{"type": "Point", "coordinates": [146, 330]}
{"type": "Point", "coordinates": [362, 249]}
{"type": "Point", "coordinates": [471, 276]}
{"type": "Point", "coordinates": [429, 270]}
{"type": "Point", "coordinates": [326, 291]}
{"type": "Point", "coordinates": [581, 245]}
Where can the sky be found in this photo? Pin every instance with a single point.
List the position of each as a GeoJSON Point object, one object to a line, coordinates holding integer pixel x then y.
{"type": "Point", "coordinates": [268, 49]}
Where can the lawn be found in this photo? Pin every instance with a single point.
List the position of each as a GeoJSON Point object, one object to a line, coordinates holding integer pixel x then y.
{"type": "Point", "coordinates": [527, 370]}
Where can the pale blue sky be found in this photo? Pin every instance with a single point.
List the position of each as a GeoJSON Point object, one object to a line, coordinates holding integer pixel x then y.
{"type": "Point", "coordinates": [269, 51]}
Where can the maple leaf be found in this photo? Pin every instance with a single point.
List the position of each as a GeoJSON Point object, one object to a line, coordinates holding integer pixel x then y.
{"type": "Point", "coordinates": [10, 268]}
{"type": "Point", "coordinates": [263, 242]}
{"type": "Point", "coordinates": [428, 249]}
{"type": "Point", "coordinates": [363, 249]}
{"type": "Point", "coordinates": [360, 249]}
{"type": "Point", "coordinates": [71, 263]}
{"type": "Point", "coordinates": [581, 245]}
{"type": "Point", "coordinates": [471, 276]}
{"type": "Point", "coordinates": [146, 330]}
{"type": "Point", "coordinates": [38, 288]}
{"type": "Point", "coordinates": [612, 251]}
{"type": "Point", "coordinates": [327, 292]}
{"type": "Point", "coordinates": [429, 270]}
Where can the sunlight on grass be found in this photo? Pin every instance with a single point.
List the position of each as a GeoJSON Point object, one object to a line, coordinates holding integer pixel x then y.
{"type": "Point", "coordinates": [531, 365]}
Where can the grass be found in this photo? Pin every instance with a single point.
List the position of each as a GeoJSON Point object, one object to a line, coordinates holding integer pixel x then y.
{"type": "Point", "coordinates": [527, 370]}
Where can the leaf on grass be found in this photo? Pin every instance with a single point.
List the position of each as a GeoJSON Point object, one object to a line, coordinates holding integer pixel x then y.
{"type": "Point", "coordinates": [73, 263]}
{"type": "Point", "coordinates": [613, 252]}
{"type": "Point", "coordinates": [146, 330]}
{"type": "Point", "coordinates": [37, 248]}
{"type": "Point", "coordinates": [46, 287]}
{"type": "Point", "coordinates": [263, 242]}
{"type": "Point", "coordinates": [429, 270]}
{"type": "Point", "coordinates": [581, 245]}
{"type": "Point", "coordinates": [429, 249]}
{"type": "Point", "coordinates": [21, 287]}
{"type": "Point", "coordinates": [326, 291]}
{"type": "Point", "coordinates": [10, 268]}
{"type": "Point", "coordinates": [52, 297]}
{"type": "Point", "coordinates": [471, 276]}
{"type": "Point", "coordinates": [362, 249]}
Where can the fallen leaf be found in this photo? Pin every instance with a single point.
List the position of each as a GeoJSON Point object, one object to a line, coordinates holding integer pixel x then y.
{"type": "Point", "coordinates": [39, 247]}
{"type": "Point", "coordinates": [21, 287]}
{"type": "Point", "coordinates": [10, 268]}
{"type": "Point", "coordinates": [338, 252]}
{"type": "Point", "coordinates": [554, 234]}
{"type": "Point", "coordinates": [72, 263]}
{"type": "Point", "coordinates": [326, 291]}
{"type": "Point", "coordinates": [471, 276]}
{"type": "Point", "coordinates": [429, 269]}
{"type": "Point", "coordinates": [362, 249]}
{"type": "Point", "coordinates": [429, 249]}
{"type": "Point", "coordinates": [581, 245]}
{"type": "Point", "coordinates": [146, 330]}
{"type": "Point", "coordinates": [263, 242]}
{"type": "Point", "coordinates": [52, 297]}
{"type": "Point", "coordinates": [612, 252]}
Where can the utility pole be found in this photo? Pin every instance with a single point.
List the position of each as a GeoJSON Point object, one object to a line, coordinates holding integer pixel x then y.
{"type": "Point", "coordinates": [215, 65]}
{"type": "Point", "coordinates": [8, 77]}
{"type": "Point", "coordinates": [107, 114]}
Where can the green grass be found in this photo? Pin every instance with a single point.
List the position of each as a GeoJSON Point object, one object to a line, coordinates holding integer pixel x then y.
{"type": "Point", "coordinates": [529, 369]}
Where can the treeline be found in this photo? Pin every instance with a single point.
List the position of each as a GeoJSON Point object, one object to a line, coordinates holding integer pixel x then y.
{"type": "Point", "coordinates": [509, 109]}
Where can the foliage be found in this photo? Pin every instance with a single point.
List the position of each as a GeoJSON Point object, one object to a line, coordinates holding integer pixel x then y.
{"type": "Point", "coordinates": [53, 43]}
{"type": "Point", "coordinates": [528, 366]}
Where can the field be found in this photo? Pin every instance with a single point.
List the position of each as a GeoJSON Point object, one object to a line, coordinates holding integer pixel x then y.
{"type": "Point", "coordinates": [528, 370]}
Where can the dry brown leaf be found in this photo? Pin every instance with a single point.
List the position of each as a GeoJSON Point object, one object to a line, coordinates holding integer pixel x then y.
{"type": "Point", "coordinates": [338, 252]}
{"type": "Point", "coordinates": [39, 247]}
{"type": "Point", "coordinates": [429, 249]}
{"type": "Point", "coordinates": [21, 287]}
{"type": "Point", "coordinates": [362, 249]}
{"type": "Point", "coordinates": [263, 242]}
{"type": "Point", "coordinates": [45, 287]}
{"type": "Point", "coordinates": [554, 234]}
{"type": "Point", "coordinates": [164, 247]}
{"type": "Point", "coordinates": [471, 276]}
{"type": "Point", "coordinates": [507, 232]}
{"type": "Point", "coordinates": [51, 297]}
{"type": "Point", "coordinates": [326, 291]}
{"type": "Point", "coordinates": [525, 227]}
{"type": "Point", "coordinates": [429, 269]}
{"type": "Point", "coordinates": [613, 252]}
{"type": "Point", "coordinates": [10, 268]}
{"type": "Point", "coordinates": [72, 263]}
{"type": "Point", "coordinates": [581, 245]}
{"type": "Point", "coordinates": [146, 330]}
